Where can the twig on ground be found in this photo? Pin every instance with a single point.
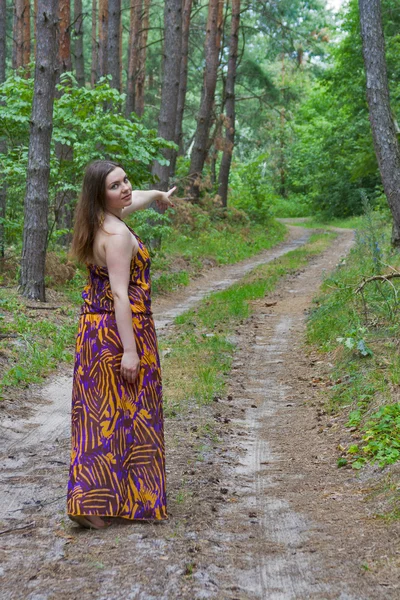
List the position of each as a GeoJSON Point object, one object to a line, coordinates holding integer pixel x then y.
{"type": "Point", "coordinates": [28, 526]}
{"type": "Point", "coordinates": [377, 278]}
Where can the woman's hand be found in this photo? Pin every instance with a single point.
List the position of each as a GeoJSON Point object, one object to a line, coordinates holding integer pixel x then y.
{"type": "Point", "coordinates": [130, 366]}
{"type": "Point", "coordinates": [164, 200]}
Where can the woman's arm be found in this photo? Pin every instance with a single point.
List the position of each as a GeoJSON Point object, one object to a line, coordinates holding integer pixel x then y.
{"type": "Point", "coordinates": [119, 249]}
{"type": "Point", "coordinates": [142, 199]}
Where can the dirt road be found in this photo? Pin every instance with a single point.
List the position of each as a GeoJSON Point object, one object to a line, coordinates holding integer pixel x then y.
{"type": "Point", "coordinates": [264, 513]}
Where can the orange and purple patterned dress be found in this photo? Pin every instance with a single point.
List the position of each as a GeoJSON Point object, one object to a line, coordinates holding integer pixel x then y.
{"type": "Point", "coordinates": [117, 454]}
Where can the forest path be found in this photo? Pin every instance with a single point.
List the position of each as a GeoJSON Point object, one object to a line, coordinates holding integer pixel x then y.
{"type": "Point", "coordinates": [263, 514]}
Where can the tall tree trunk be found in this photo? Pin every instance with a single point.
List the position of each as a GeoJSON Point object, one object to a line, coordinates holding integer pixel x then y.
{"type": "Point", "coordinates": [133, 55]}
{"type": "Point", "coordinates": [212, 47]}
{"type": "Point", "coordinates": [103, 37]}
{"type": "Point", "coordinates": [121, 29]}
{"type": "Point", "coordinates": [170, 83]}
{"type": "Point", "coordinates": [230, 105]}
{"type": "Point", "coordinates": [63, 201]}
{"type": "Point", "coordinates": [3, 147]}
{"type": "Point", "coordinates": [35, 6]}
{"type": "Point", "coordinates": [37, 191]}
{"type": "Point", "coordinates": [383, 129]}
{"type": "Point", "coordinates": [95, 45]}
{"type": "Point", "coordinates": [282, 141]}
{"type": "Point", "coordinates": [78, 30]}
{"type": "Point", "coordinates": [22, 33]}
{"type": "Point", "coordinates": [141, 67]}
{"type": "Point", "coordinates": [64, 43]}
{"type": "Point", "coordinates": [114, 31]}
{"type": "Point", "coordinates": [187, 9]}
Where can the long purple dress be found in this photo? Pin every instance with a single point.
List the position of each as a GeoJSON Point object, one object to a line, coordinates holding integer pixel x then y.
{"type": "Point", "coordinates": [117, 454]}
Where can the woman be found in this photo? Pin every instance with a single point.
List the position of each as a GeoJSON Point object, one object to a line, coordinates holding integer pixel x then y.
{"type": "Point", "coordinates": [117, 455]}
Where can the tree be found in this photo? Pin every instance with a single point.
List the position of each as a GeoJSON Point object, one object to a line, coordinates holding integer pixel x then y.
{"type": "Point", "coordinates": [103, 38]}
{"type": "Point", "coordinates": [36, 198]}
{"type": "Point", "coordinates": [78, 31]}
{"type": "Point", "coordinates": [170, 84]}
{"type": "Point", "coordinates": [113, 44]}
{"type": "Point", "coordinates": [212, 47]}
{"type": "Point", "coordinates": [3, 48]}
{"type": "Point", "coordinates": [64, 43]}
{"type": "Point", "coordinates": [230, 104]}
{"type": "Point", "coordinates": [133, 55]}
{"type": "Point", "coordinates": [141, 63]}
{"type": "Point", "coordinates": [95, 46]}
{"type": "Point", "coordinates": [386, 144]}
{"type": "Point", "coordinates": [187, 9]}
{"type": "Point", "coordinates": [22, 34]}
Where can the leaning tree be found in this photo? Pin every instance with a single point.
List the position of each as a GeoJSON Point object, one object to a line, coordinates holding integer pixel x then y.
{"type": "Point", "coordinates": [384, 134]}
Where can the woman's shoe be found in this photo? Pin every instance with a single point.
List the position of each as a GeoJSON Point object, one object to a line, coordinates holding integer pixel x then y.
{"type": "Point", "coordinates": [86, 523]}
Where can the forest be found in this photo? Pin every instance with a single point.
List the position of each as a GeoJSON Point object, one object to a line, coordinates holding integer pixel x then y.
{"type": "Point", "coordinates": [275, 280]}
{"type": "Point", "coordinates": [277, 88]}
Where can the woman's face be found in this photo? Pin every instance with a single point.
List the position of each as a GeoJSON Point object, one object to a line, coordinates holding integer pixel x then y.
{"type": "Point", "coordinates": [118, 190]}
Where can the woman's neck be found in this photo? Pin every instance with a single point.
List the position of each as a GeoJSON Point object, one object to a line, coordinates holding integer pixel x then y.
{"type": "Point", "coordinates": [117, 213]}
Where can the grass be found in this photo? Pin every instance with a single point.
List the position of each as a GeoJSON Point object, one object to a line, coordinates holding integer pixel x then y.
{"type": "Point", "coordinates": [318, 223]}
{"type": "Point", "coordinates": [212, 243]}
{"type": "Point", "coordinates": [359, 332]}
{"type": "Point", "coordinates": [32, 347]}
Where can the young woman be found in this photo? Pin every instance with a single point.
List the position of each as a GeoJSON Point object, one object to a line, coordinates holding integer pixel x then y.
{"type": "Point", "coordinates": [117, 454]}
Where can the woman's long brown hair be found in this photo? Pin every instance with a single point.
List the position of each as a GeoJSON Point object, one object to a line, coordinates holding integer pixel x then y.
{"type": "Point", "coordinates": [90, 209]}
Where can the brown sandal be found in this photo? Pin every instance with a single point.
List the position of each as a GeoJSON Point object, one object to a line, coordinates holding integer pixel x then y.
{"type": "Point", "coordinates": [85, 523]}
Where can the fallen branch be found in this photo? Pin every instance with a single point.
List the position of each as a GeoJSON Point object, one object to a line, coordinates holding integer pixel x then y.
{"type": "Point", "coordinates": [37, 307]}
{"type": "Point", "coordinates": [28, 526]}
{"type": "Point", "coordinates": [377, 278]}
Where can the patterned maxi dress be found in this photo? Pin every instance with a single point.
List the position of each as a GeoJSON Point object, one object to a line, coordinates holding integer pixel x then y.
{"type": "Point", "coordinates": [117, 454]}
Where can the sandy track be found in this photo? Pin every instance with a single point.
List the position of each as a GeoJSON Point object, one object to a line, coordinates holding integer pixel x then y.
{"type": "Point", "coordinates": [263, 514]}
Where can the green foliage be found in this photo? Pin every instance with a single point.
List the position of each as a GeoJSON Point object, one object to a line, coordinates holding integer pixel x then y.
{"type": "Point", "coordinates": [88, 123]}
{"type": "Point", "coordinates": [355, 326]}
{"type": "Point", "coordinates": [332, 160]}
{"type": "Point", "coordinates": [251, 189]}
{"type": "Point", "coordinates": [382, 434]}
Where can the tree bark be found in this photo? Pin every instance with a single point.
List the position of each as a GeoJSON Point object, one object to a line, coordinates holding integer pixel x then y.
{"type": "Point", "coordinates": [212, 47]}
{"type": "Point", "coordinates": [78, 30]}
{"type": "Point", "coordinates": [22, 33]}
{"type": "Point", "coordinates": [63, 200]}
{"type": "Point", "coordinates": [64, 32]}
{"type": "Point", "coordinates": [37, 191]}
{"type": "Point", "coordinates": [170, 84]}
{"type": "Point", "coordinates": [114, 31]}
{"type": "Point", "coordinates": [383, 128]}
{"type": "Point", "coordinates": [94, 45]}
{"type": "Point", "coordinates": [133, 55]}
{"type": "Point", "coordinates": [230, 105]}
{"type": "Point", "coordinates": [3, 147]}
{"type": "Point", "coordinates": [141, 67]}
{"type": "Point", "coordinates": [103, 37]}
{"type": "Point", "coordinates": [187, 9]}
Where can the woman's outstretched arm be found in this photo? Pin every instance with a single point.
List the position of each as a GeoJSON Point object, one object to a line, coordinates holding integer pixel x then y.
{"type": "Point", "coordinates": [142, 199]}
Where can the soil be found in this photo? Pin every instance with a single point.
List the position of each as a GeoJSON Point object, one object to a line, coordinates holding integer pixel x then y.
{"type": "Point", "coordinates": [257, 505]}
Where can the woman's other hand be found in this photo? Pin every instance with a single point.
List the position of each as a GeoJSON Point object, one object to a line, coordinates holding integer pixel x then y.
{"type": "Point", "coordinates": [130, 366]}
{"type": "Point", "coordinates": [164, 201]}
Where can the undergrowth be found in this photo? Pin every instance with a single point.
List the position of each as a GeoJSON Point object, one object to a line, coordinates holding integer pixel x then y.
{"type": "Point", "coordinates": [357, 325]}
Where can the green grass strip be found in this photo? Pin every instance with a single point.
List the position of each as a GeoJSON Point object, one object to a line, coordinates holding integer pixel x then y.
{"type": "Point", "coordinates": [198, 357]}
